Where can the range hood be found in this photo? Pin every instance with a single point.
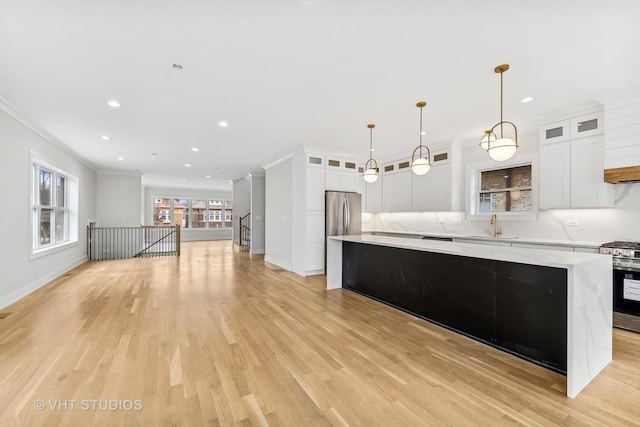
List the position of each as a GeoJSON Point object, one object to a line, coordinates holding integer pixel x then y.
{"type": "Point", "coordinates": [622, 175]}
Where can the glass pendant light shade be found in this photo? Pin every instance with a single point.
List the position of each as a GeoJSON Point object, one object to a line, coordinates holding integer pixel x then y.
{"type": "Point", "coordinates": [371, 167]}
{"type": "Point", "coordinates": [420, 166]}
{"type": "Point", "coordinates": [371, 175]}
{"type": "Point", "coordinates": [503, 149]}
{"type": "Point", "coordinates": [421, 156]}
{"type": "Point", "coordinates": [500, 148]}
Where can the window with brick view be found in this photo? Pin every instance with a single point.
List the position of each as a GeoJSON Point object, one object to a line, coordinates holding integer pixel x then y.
{"type": "Point", "coordinates": [506, 190]}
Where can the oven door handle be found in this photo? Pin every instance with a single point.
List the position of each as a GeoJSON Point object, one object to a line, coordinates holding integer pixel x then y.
{"type": "Point", "coordinates": [633, 268]}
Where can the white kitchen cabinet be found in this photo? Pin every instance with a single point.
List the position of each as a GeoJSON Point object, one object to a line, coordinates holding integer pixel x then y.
{"type": "Point", "coordinates": [555, 176]}
{"type": "Point", "coordinates": [555, 132]}
{"type": "Point", "coordinates": [296, 223]}
{"type": "Point", "coordinates": [433, 191]}
{"type": "Point", "coordinates": [571, 169]}
{"type": "Point", "coordinates": [315, 241]}
{"type": "Point", "coordinates": [361, 186]}
{"type": "Point", "coordinates": [341, 174]}
{"type": "Point", "coordinates": [315, 182]}
{"type": "Point", "coordinates": [373, 196]}
{"type": "Point", "coordinates": [587, 125]}
{"type": "Point", "coordinates": [588, 189]}
{"type": "Point", "coordinates": [396, 186]}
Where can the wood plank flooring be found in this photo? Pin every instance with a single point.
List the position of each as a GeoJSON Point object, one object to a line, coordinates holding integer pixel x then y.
{"type": "Point", "coordinates": [219, 337]}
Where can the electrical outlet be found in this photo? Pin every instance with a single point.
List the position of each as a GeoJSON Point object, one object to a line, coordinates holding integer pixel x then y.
{"type": "Point", "coordinates": [572, 222]}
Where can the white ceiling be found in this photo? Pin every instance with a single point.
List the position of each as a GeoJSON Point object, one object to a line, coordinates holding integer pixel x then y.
{"type": "Point", "coordinates": [284, 73]}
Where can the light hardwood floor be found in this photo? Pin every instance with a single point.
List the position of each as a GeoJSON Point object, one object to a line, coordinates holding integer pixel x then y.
{"type": "Point", "coordinates": [219, 337]}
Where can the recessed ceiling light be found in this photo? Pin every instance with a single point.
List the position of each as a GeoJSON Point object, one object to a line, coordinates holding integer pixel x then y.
{"type": "Point", "coordinates": [177, 67]}
{"type": "Point", "coordinates": [424, 132]}
{"type": "Point", "coordinates": [223, 124]}
{"type": "Point", "coordinates": [184, 179]}
{"type": "Point", "coordinates": [230, 181]}
{"type": "Point", "coordinates": [120, 158]}
{"type": "Point", "coordinates": [187, 165]}
{"type": "Point", "coordinates": [105, 137]}
{"type": "Point", "coordinates": [195, 149]}
{"type": "Point", "coordinates": [207, 176]}
{"type": "Point", "coordinates": [527, 99]}
{"type": "Point", "coordinates": [113, 103]}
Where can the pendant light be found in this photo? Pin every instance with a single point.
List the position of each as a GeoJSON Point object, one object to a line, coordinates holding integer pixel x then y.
{"type": "Point", "coordinates": [501, 148]}
{"type": "Point", "coordinates": [421, 163]}
{"type": "Point", "coordinates": [371, 167]}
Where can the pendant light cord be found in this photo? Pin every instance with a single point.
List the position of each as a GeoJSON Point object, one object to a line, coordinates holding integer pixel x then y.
{"type": "Point", "coordinates": [370, 143]}
{"type": "Point", "coordinates": [501, 100]}
{"type": "Point", "coordinates": [420, 131]}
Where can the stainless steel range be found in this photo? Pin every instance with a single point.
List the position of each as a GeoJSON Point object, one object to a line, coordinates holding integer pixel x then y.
{"type": "Point", "coordinates": [626, 283]}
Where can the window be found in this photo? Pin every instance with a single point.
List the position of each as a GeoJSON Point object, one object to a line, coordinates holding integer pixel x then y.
{"type": "Point", "coordinates": [161, 208]}
{"type": "Point", "coordinates": [505, 190]}
{"type": "Point", "coordinates": [53, 207]}
{"type": "Point", "coordinates": [193, 213]}
{"type": "Point", "coordinates": [199, 213]}
{"type": "Point", "coordinates": [228, 211]}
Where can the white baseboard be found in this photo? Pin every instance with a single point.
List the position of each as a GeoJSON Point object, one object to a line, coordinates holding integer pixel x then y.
{"type": "Point", "coordinates": [18, 294]}
{"type": "Point", "coordinates": [257, 251]}
{"type": "Point", "coordinates": [279, 263]}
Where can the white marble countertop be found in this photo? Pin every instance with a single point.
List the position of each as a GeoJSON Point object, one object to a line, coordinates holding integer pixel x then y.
{"type": "Point", "coordinates": [550, 242]}
{"type": "Point", "coordinates": [543, 257]}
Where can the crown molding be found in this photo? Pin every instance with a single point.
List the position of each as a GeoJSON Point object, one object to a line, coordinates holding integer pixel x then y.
{"type": "Point", "coordinates": [12, 111]}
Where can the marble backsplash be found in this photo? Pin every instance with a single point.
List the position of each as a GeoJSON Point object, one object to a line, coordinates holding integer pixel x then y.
{"type": "Point", "coordinates": [593, 225]}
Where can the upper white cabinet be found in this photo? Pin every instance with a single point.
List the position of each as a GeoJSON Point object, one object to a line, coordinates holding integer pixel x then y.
{"type": "Point", "coordinates": [588, 189]}
{"type": "Point", "coordinates": [572, 164]}
{"type": "Point", "coordinates": [314, 182]}
{"type": "Point", "coordinates": [555, 132]}
{"type": "Point", "coordinates": [341, 174]}
{"type": "Point", "coordinates": [372, 195]}
{"type": "Point", "coordinates": [555, 175]}
{"type": "Point", "coordinates": [396, 186]}
{"type": "Point", "coordinates": [433, 191]}
{"type": "Point", "coordinates": [587, 125]}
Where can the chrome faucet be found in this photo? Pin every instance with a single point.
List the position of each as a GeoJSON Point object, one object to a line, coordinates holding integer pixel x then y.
{"type": "Point", "coordinates": [496, 228]}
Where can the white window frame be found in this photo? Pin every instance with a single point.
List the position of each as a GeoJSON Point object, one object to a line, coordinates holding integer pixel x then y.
{"type": "Point", "coordinates": [473, 180]}
{"type": "Point", "coordinates": [37, 163]}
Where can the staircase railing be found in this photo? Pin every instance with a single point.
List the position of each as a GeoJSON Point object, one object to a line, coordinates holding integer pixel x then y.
{"type": "Point", "coordinates": [107, 243]}
{"type": "Point", "coordinates": [244, 233]}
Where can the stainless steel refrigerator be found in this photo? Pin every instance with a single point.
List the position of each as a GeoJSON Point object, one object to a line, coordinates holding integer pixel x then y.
{"type": "Point", "coordinates": [343, 215]}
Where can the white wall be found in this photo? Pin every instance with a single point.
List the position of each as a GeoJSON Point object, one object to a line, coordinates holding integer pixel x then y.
{"type": "Point", "coordinates": [119, 201]}
{"type": "Point", "coordinates": [186, 193]}
{"type": "Point", "coordinates": [278, 214]}
{"type": "Point", "coordinates": [20, 273]}
{"type": "Point", "coordinates": [257, 214]}
{"type": "Point", "coordinates": [241, 203]}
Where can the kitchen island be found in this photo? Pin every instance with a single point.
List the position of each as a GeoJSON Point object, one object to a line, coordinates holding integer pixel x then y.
{"type": "Point", "coordinates": [552, 308]}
